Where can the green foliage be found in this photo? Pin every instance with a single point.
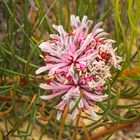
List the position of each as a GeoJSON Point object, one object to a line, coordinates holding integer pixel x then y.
{"type": "Point", "coordinates": [26, 25]}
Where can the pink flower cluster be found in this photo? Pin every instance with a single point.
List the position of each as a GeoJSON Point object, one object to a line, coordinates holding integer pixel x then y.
{"type": "Point", "coordinates": [78, 64]}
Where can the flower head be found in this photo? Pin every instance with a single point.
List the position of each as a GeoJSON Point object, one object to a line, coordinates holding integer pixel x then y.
{"type": "Point", "coordinates": [78, 63]}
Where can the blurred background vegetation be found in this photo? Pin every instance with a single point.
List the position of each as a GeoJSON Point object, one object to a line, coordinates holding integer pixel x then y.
{"type": "Point", "coordinates": [24, 24]}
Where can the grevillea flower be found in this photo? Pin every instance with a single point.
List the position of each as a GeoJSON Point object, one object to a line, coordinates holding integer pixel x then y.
{"type": "Point", "coordinates": [78, 64]}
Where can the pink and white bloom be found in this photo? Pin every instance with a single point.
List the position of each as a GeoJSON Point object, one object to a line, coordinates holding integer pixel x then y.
{"type": "Point", "coordinates": [78, 63]}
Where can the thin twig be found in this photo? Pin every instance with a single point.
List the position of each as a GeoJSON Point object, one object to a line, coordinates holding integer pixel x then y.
{"type": "Point", "coordinates": [76, 126]}
{"type": "Point", "coordinates": [10, 108]}
{"type": "Point", "coordinates": [62, 123]}
{"type": "Point", "coordinates": [85, 131]}
{"type": "Point", "coordinates": [43, 116]}
{"type": "Point", "coordinates": [109, 130]}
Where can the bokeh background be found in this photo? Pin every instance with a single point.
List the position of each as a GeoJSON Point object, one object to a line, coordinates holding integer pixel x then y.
{"type": "Point", "coordinates": [24, 24]}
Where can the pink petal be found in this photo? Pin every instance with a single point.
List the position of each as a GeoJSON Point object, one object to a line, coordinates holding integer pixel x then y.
{"type": "Point", "coordinates": [56, 67]}
{"type": "Point", "coordinates": [98, 31]}
{"type": "Point", "coordinates": [46, 47]}
{"type": "Point", "coordinates": [101, 35]}
{"type": "Point", "coordinates": [48, 97]}
{"type": "Point", "coordinates": [89, 109]}
{"type": "Point", "coordinates": [42, 69]}
{"type": "Point", "coordinates": [50, 59]}
{"type": "Point", "coordinates": [71, 70]}
{"type": "Point", "coordinates": [84, 19]}
{"type": "Point", "coordinates": [97, 98]}
{"type": "Point", "coordinates": [86, 42]}
{"type": "Point", "coordinates": [59, 114]}
{"type": "Point", "coordinates": [97, 26]}
{"type": "Point", "coordinates": [91, 56]}
{"type": "Point", "coordinates": [61, 105]}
